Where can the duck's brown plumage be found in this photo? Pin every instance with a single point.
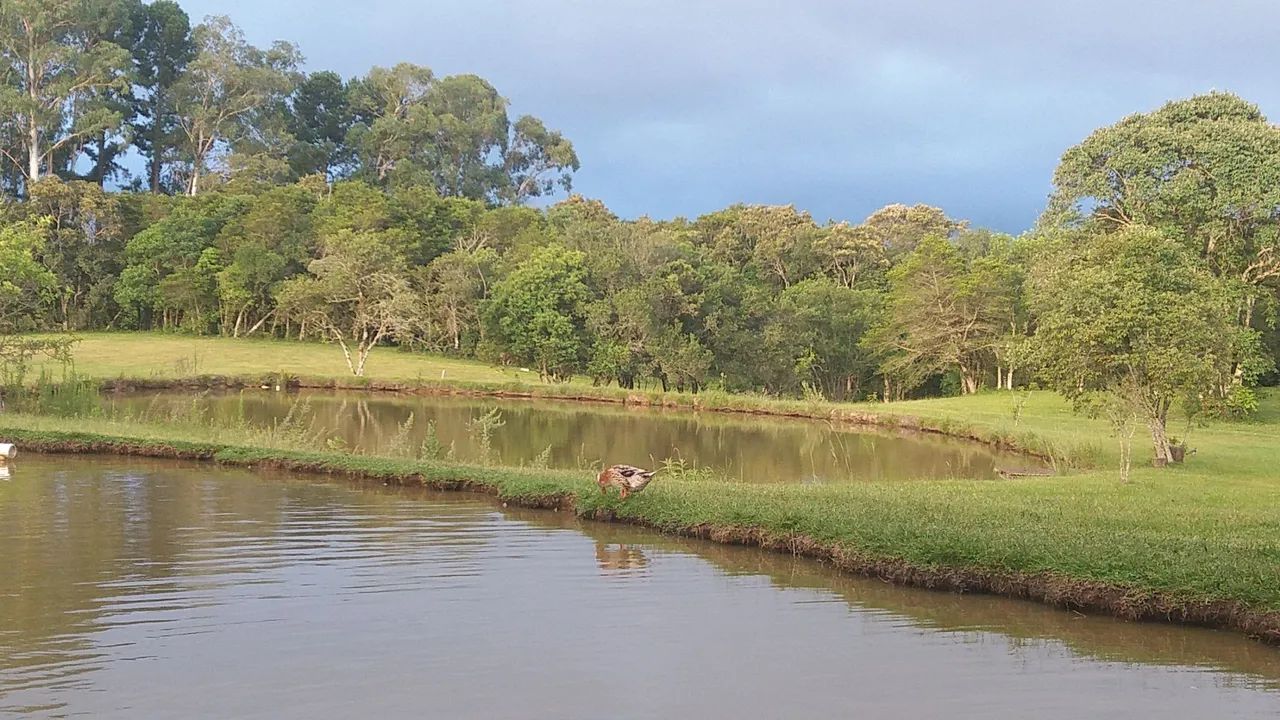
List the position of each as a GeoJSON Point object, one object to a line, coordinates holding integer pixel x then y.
{"type": "Point", "coordinates": [626, 478]}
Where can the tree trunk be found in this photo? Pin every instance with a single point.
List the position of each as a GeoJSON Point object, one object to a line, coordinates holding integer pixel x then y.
{"type": "Point", "coordinates": [197, 164]}
{"type": "Point", "coordinates": [346, 354]}
{"type": "Point", "coordinates": [1237, 369]}
{"type": "Point", "coordinates": [1160, 440]}
{"type": "Point", "coordinates": [33, 154]}
{"type": "Point", "coordinates": [153, 170]}
{"type": "Point", "coordinates": [33, 125]}
{"type": "Point", "coordinates": [1125, 435]}
{"type": "Point", "coordinates": [363, 357]}
{"type": "Point", "coordinates": [100, 163]}
{"type": "Point", "coordinates": [258, 324]}
{"type": "Point", "coordinates": [153, 167]}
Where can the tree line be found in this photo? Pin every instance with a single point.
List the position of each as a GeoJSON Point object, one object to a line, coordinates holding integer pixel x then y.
{"type": "Point", "coordinates": [392, 209]}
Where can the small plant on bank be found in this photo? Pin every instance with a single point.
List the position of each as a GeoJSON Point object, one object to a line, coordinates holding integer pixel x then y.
{"type": "Point", "coordinates": [813, 397]}
{"type": "Point", "coordinates": [187, 366]}
{"type": "Point", "coordinates": [481, 431]}
{"type": "Point", "coordinates": [1019, 402]}
{"type": "Point", "coordinates": [398, 445]}
{"type": "Point", "coordinates": [677, 468]}
{"type": "Point", "coordinates": [431, 447]}
{"type": "Point", "coordinates": [543, 460]}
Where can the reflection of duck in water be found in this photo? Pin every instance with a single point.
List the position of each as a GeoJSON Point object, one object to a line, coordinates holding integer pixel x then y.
{"type": "Point", "coordinates": [619, 557]}
{"type": "Point", "coordinates": [626, 478]}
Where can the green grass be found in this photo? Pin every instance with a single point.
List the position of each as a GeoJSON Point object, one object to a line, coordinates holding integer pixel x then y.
{"type": "Point", "coordinates": [1207, 530]}
{"type": "Point", "coordinates": [165, 356]}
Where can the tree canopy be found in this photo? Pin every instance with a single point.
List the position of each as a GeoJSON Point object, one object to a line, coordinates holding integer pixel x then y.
{"type": "Point", "coordinates": [1134, 315]}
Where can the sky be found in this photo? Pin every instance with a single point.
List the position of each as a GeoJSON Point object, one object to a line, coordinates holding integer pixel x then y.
{"type": "Point", "coordinates": [678, 108]}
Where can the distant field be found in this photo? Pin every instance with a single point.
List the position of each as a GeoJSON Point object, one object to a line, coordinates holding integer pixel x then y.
{"type": "Point", "coordinates": [157, 355]}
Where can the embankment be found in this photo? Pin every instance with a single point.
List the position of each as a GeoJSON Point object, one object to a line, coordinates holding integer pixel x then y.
{"type": "Point", "coordinates": [941, 536]}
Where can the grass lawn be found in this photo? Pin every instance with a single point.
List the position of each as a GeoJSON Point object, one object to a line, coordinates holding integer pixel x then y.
{"type": "Point", "coordinates": [164, 356]}
{"type": "Point", "coordinates": [1204, 531]}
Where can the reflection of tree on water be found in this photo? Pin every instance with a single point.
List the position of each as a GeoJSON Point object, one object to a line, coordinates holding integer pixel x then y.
{"type": "Point", "coordinates": [567, 435]}
{"type": "Point", "coordinates": [620, 557]}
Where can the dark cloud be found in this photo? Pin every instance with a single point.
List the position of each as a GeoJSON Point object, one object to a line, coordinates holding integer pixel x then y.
{"type": "Point", "coordinates": [678, 108]}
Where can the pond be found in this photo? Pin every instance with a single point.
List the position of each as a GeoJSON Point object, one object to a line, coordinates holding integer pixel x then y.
{"type": "Point", "coordinates": [145, 589]}
{"type": "Point", "coordinates": [582, 435]}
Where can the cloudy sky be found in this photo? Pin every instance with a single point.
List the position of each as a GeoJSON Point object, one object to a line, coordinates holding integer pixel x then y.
{"type": "Point", "coordinates": [679, 107]}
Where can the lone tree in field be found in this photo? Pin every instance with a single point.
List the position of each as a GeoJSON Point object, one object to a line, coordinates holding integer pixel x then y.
{"type": "Point", "coordinates": [1205, 172]}
{"type": "Point", "coordinates": [357, 295]}
{"type": "Point", "coordinates": [1133, 317]}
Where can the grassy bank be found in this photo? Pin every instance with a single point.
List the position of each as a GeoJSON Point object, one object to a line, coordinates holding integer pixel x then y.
{"type": "Point", "coordinates": [1187, 544]}
{"type": "Point", "coordinates": [1198, 543]}
{"type": "Point", "coordinates": [1039, 423]}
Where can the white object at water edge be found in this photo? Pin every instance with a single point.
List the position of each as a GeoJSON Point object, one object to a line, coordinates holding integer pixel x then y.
{"type": "Point", "coordinates": [8, 451]}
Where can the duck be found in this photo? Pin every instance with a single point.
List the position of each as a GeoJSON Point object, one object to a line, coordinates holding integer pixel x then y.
{"type": "Point", "coordinates": [626, 478]}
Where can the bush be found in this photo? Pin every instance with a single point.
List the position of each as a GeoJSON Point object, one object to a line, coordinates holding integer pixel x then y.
{"type": "Point", "coordinates": [1241, 402]}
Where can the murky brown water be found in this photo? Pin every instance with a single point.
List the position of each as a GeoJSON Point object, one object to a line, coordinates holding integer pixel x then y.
{"type": "Point", "coordinates": [134, 589]}
{"type": "Point", "coordinates": [579, 435]}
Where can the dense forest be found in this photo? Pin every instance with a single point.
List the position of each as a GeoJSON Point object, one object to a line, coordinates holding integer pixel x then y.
{"type": "Point", "coordinates": [394, 208]}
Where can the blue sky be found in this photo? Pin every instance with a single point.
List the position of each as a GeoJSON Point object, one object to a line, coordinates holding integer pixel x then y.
{"type": "Point", "coordinates": [680, 108]}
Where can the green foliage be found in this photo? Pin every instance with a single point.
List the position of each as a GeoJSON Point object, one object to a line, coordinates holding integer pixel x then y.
{"type": "Point", "coordinates": [537, 313]}
{"type": "Point", "coordinates": [159, 39]}
{"type": "Point", "coordinates": [320, 116]}
{"type": "Point", "coordinates": [59, 70]}
{"type": "Point", "coordinates": [1131, 314]}
{"type": "Point", "coordinates": [453, 134]}
{"type": "Point", "coordinates": [900, 229]}
{"type": "Point", "coordinates": [1205, 173]}
{"type": "Point", "coordinates": [389, 209]}
{"type": "Point", "coordinates": [24, 282]}
{"type": "Point", "coordinates": [228, 93]}
{"type": "Point", "coordinates": [357, 294]}
{"type": "Point", "coordinates": [945, 312]}
{"type": "Point", "coordinates": [825, 322]}
{"type": "Point", "coordinates": [85, 232]}
{"type": "Point", "coordinates": [481, 430]}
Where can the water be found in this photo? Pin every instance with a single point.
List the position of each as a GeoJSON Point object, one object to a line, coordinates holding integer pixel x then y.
{"type": "Point", "coordinates": [580, 435]}
{"type": "Point", "coordinates": [137, 589]}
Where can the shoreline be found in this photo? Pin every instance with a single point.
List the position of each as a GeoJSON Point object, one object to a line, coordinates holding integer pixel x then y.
{"type": "Point", "coordinates": [1027, 444]}
{"type": "Point", "coordinates": [566, 492]}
